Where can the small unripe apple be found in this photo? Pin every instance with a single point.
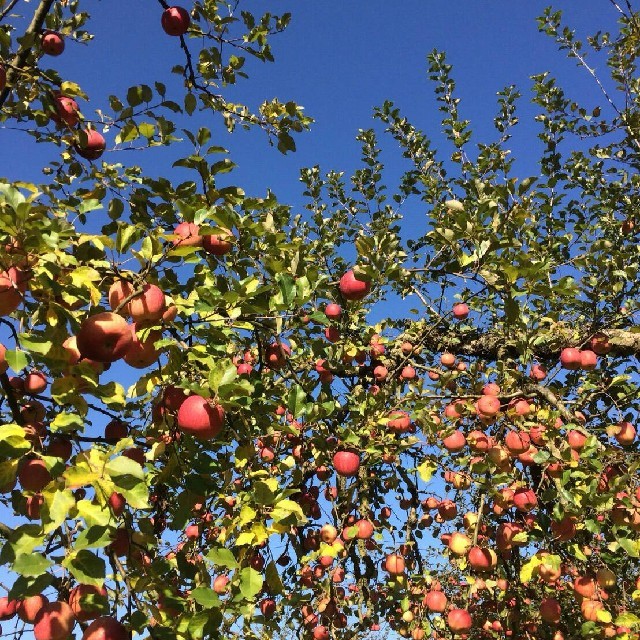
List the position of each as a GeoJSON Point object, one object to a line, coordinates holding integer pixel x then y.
{"type": "Point", "coordinates": [175, 21]}
{"type": "Point", "coordinates": [52, 43]}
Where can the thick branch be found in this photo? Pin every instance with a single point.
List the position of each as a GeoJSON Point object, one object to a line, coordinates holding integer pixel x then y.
{"type": "Point", "coordinates": [20, 58]}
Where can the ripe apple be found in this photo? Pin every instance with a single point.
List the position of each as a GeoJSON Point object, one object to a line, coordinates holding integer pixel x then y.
{"type": "Point", "coordinates": [106, 628]}
{"type": "Point", "coordinates": [12, 286]}
{"type": "Point", "coordinates": [66, 111]}
{"type": "Point", "coordinates": [447, 360]}
{"type": "Point", "coordinates": [142, 353]}
{"type": "Point", "coordinates": [571, 359]}
{"type": "Point", "coordinates": [455, 442]}
{"type": "Point", "coordinates": [175, 21]}
{"type": "Point", "coordinates": [365, 529]}
{"type": "Point", "coordinates": [104, 337]}
{"type": "Point", "coordinates": [588, 360]}
{"type": "Point", "coordinates": [88, 602]}
{"type": "Point", "coordinates": [550, 610]}
{"type": "Point", "coordinates": [8, 608]}
{"type": "Point", "coordinates": [394, 564]}
{"type": "Point", "coordinates": [117, 502]}
{"type": "Point", "coordinates": [333, 311]}
{"type": "Point", "coordinates": [321, 633]}
{"type": "Point", "coordinates": [277, 354]}
{"type": "Point", "coordinates": [600, 344]}
{"type": "Point", "coordinates": [115, 430]}
{"type": "Point", "coordinates": [525, 500]}
{"type": "Point", "coordinates": [200, 417]}
{"type": "Point", "coordinates": [537, 372]}
{"type": "Point", "coordinates": [353, 289]}
{"type": "Point", "coordinates": [33, 475]}
{"type": "Point", "coordinates": [218, 244]}
{"type": "Point", "coordinates": [460, 311]}
{"type": "Point", "coordinates": [52, 43]}
{"type": "Point", "coordinates": [35, 382]}
{"type": "Point", "coordinates": [482, 559]}
{"type": "Point", "coordinates": [220, 584]}
{"type": "Point", "coordinates": [459, 620]}
{"type": "Point", "coordinates": [459, 543]}
{"type": "Point", "coordinates": [590, 609]}
{"type": "Point", "coordinates": [576, 439]}
{"type": "Point", "coordinates": [346, 463]}
{"type": "Point", "coordinates": [380, 373]}
{"type": "Point", "coordinates": [29, 608]}
{"type": "Point", "coordinates": [33, 506]}
{"type": "Point", "coordinates": [90, 144]}
{"type": "Point", "coordinates": [54, 621]}
{"type": "Point", "coordinates": [188, 235]}
{"type": "Point", "coordinates": [488, 405]}
{"type": "Point", "coordinates": [625, 433]}
{"type": "Point", "coordinates": [435, 601]}
{"type": "Point", "coordinates": [150, 305]}
{"type": "Point", "coordinates": [517, 442]}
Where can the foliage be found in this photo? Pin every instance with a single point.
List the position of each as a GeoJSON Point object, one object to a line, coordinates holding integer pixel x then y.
{"type": "Point", "coordinates": [548, 482]}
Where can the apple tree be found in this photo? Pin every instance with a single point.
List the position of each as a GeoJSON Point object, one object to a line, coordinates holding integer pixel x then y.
{"type": "Point", "coordinates": [302, 453]}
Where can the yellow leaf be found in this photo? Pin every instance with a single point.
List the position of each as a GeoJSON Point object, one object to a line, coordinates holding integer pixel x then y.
{"type": "Point", "coordinates": [526, 572]}
{"type": "Point", "coordinates": [247, 515]}
{"type": "Point", "coordinates": [426, 470]}
{"type": "Point", "coordinates": [259, 532]}
{"type": "Point", "coordinates": [245, 538]}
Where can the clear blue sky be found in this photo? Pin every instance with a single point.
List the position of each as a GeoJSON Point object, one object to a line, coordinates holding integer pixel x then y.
{"type": "Point", "coordinates": [338, 59]}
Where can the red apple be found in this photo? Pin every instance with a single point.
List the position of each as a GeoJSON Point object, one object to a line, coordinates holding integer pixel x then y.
{"type": "Point", "coordinates": [175, 21]}
{"type": "Point", "coordinates": [35, 382]}
{"type": "Point", "coordinates": [115, 430]}
{"type": "Point", "coordinates": [218, 244]}
{"type": "Point", "coordinates": [333, 311]}
{"type": "Point", "coordinates": [52, 43]}
{"type": "Point", "coordinates": [353, 289]}
{"type": "Point", "coordinates": [66, 111]}
{"type": "Point", "coordinates": [517, 442]}
{"type": "Point", "coordinates": [104, 337]}
{"type": "Point", "coordinates": [394, 564]}
{"type": "Point", "coordinates": [346, 463]}
{"type": "Point", "coordinates": [600, 344]}
{"type": "Point", "coordinates": [88, 601]}
{"type": "Point", "coordinates": [54, 622]}
{"type": "Point", "coordinates": [117, 502]}
{"type": "Point", "coordinates": [447, 360]}
{"type": "Point", "coordinates": [538, 372]}
{"type": "Point", "coordinates": [460, 310]}
{"type": "Point", "coordinates": [90, 144]}
{"type": "Point", "coordinates": [277, 354]}
{"type": "Point", "coordinates": [459, 620]}
{"type": "Point", "coordinates": [33, 506]}
{"type": "Point", "coordinates": [29, 608]}
{"type": "Point", "coordinates": [435, 601]}
{"type": "Point", "coordinates": [188, 235]}
{"type": "Point", "coordinates": [106, 628]}
{"type": "Point", "coordinates": [8, 608]}
{"type": "Point", "coordinates": [142, 353]}
{"type": "Point", "coordinates": [488, 405]}
{"type": "Point", "coordinates": [482, 559]}
{"type": "Point", "coordinates": [220, 584]}
{"type": "Point", "coordinates": [571, 359]}
{"type": "Point", "coordinates": [525, 500]}
{"type": "Point", "coordinates": [455, 442]}
{"type": "Point", "coordinates": [550, 610]}
{"type": "Point", "coordinates": [33, 475]}
{"type": "Point", "coordinates": [200, 417]}
{"type": "Point", "coordinates": [588, 359]}
{"type": "Point", "coordinates": [625, 433]}
{"type": "Point", "coordinates": [12, 286]}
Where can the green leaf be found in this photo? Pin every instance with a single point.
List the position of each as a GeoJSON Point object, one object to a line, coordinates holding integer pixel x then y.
{"type": "Point", "coordinates": [296, 402]}
{"type": "Point", "coordinates": [31, 564]}
{"type": "Point", "coordinates": [273, 579]}
{"type": "Point", "coordinates": [222, 557]}
{"type": "Point", "coordinates": [12, 441]}
{"type": "Point", "coordinates": [94, 536]}
{"type": "Point", "coordinates": [58, 506]}
{"type": "Point", "coordinates": [17, 360]}
{"type": "Point", "coordinates": [86, 567]}
{"type": "Point", "coordinates": [264, 491]}
{"type": "Point", "coordinates": [250, 583]}
{"type": "Point", "coordinates": [128, 476]}
{"type": "Point", "coordinates": [206, 597]}
{"type": "Point", "coordinates": [65, 422]}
